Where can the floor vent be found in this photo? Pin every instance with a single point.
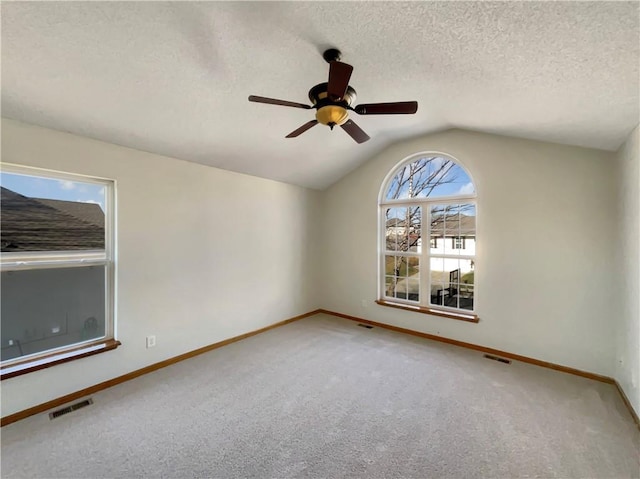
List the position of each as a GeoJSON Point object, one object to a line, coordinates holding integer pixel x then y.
{"type": "Point", "coordinates": [365, 326]}
{"type": "Point", "coordinates": [68, 409]}
{"type": "Point", "coordinates": [496, 358]}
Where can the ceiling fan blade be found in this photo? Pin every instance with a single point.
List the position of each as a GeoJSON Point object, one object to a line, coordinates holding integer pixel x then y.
{"type": "Point", "coordinates": [339, 76]}
{"type": "Point", "coordinates": [273, 101]}
{"type": "Point", "coordinates": [396, 108]}
{"type": "Point", "coordinates": [355, 132]}
{"type": "Point", "coordinates": [302, 129]}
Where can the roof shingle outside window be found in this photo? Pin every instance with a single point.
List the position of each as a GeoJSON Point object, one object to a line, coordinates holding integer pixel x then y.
{"type": "Point", "coordinates": [31, 224]}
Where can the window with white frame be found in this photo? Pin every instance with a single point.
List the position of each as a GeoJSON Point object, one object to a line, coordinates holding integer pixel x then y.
{"type": "Point", "coordinates": [57, 266]}
{"type": "Point", "coordinates": [428, 196]}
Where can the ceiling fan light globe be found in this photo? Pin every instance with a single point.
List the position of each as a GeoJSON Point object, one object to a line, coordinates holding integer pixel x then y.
{"type": "Point", "coordinates": [332, 114]}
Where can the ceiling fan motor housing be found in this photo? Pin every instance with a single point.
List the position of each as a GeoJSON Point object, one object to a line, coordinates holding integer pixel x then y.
{"type": "Point", "coordinates": [331, 112]}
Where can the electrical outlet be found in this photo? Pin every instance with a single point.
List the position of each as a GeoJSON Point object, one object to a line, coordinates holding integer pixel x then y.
{"type": "Point", "coordinates": [11, 342]}
{"type": "Point", "coordinates": [151, 341]}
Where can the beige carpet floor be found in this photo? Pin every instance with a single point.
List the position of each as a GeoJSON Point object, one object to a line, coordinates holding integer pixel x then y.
{"type": "Point", "coordinates": [324, 398]}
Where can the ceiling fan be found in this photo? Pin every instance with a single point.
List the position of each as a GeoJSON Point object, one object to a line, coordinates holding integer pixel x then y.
{"type": "Point", "coordinates": [334, 99]}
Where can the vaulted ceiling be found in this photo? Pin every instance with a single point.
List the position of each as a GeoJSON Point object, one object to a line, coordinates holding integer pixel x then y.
{"type": "Point", "coordinates": [173, 77]}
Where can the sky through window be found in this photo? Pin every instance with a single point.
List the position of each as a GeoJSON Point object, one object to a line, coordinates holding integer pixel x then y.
{"type": "Point", "coordinates": [53, 189]}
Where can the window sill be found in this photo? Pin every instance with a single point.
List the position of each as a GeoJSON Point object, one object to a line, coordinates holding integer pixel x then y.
{"type": "Point", "coordinates": [471, 318]}
{"type": "Point", "coordinates": [29, 366]}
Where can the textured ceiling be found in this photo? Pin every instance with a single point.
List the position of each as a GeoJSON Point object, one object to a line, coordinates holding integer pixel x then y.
{"type": "Point", "coordinates": [173, 77]}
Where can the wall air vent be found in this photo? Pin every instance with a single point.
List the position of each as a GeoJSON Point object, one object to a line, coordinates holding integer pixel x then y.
{"type": "Point", "coordinates": [496, 358]}
{"type": "Point", "coordinates": [68, 409]}
{"type": "Point", "coordinates": [365, 326]}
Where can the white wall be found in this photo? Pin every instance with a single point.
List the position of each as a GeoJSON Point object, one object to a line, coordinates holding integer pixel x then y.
{"type": "Point", "coordinates": [544, 266]}
{"type": "Point", "coordinates": [628, 340]}
{"type": "Point", "coordinates": [203, 255]}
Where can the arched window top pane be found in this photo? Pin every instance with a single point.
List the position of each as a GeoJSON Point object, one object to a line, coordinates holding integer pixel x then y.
{"type": "Point", "coordinates": [429, 176]}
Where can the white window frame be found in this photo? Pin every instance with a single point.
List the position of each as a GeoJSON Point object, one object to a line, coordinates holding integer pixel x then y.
{"type": "Point", "coordinates": [425, 255]}
{"type": "Point", "coordinates": [34, 260]}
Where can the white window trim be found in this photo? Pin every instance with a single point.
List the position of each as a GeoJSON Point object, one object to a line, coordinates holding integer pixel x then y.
{"type": "Point", "coordinates": [424, 203]}
{"type": "Point", "coordinates": [31, 260]}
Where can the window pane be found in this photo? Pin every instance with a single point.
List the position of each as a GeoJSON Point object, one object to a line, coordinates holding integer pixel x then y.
{"type": "Point", "coordinates": [458, 282]}
{"type": "Point", "coordinates": [467, 271]}
{"type": "Point", "coordinates": [402, 277]}
{"type": "Point", "coordinates": [458, 224]}
{"type": "Point", "coordinates": [436, 229]}
{"type": "Point", "coordinates": [451, 218]}
{"type": "Point", "coordinates": [50, 308]}
{"type": "Point", "coordinates": [466, 288]}
{"type": "Point", "coordinates": [392, 265]}
{"type": "Point", "coordinates": [468, 228]}
{"type": "Point", "coordinates": [391, 243]}
{"type": "Point", "coordinates": [403, 229]}
{"type": "Point", "coordinates": [389, 286]}
{"type": "Point", "coordinates": [401, 288]}
{"type": "Point", "coordinates": [402, 266]}
{"type": "Point", "coordinates": [452, 269]}
{"type": "Point", "coordinates": [437, 219]}
{"type": "Point", "coordinates": [414, 234]}
{"type": "Point", "coordinates": [395, 228]}
{"type": "Point", "coordinates": [45, 214]}
{"type": "Point", "coordinates": [437, 281]}
{"type": "Point", "coordinates": [432, 177]}
{"type": "Point", "coordinates": [413, 267]}
{"type": "Point", "coordinates": [407, 288]}
{"type": "Point", "coordinates": [413, 289]}
{"type": "Point", "coordinates": [468, 220]}
{"type": "Point", "coordinates": [466, 297]}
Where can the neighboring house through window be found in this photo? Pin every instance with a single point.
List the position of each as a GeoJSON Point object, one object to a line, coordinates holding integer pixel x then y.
{"type": "Point", "coordinates": [428, 196]}
{"type": "Point", "coordinates": [57, 265]}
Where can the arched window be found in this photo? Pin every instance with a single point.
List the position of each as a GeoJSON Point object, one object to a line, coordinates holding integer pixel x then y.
{"type": "Point", "coordinates": [428, 235]}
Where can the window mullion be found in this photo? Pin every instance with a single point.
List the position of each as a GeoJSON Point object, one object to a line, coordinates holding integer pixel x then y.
{"type": "Point", "coordinates": [440, 201]}
{"type": "Point", "coordinates": [425, 260]}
